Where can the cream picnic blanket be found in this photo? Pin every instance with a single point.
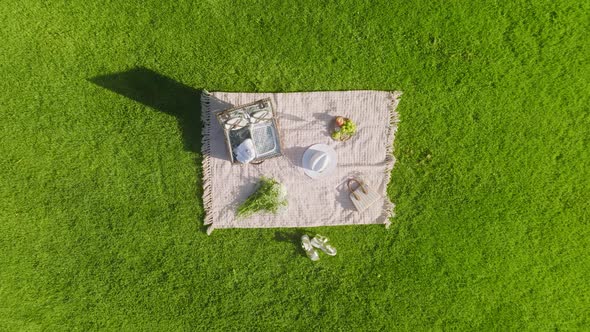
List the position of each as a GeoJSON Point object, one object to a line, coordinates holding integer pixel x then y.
{"type": "Point", "coordinates": [304, 120]}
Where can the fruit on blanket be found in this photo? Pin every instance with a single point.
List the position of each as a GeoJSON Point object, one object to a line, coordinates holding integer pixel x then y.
{"type": "Point", "coordinates": [344, 129]}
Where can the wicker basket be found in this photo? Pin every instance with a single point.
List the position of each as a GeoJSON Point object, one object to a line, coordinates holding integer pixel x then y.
{"type": "Point", "coordinates": [265, 134]}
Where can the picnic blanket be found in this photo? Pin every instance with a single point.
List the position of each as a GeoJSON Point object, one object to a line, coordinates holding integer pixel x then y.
{"type": "Point", "coordinates": [304, 119]}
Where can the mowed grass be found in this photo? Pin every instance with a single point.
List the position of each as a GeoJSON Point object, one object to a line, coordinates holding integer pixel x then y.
{"type": "Point", "coordinates": [100, 209]}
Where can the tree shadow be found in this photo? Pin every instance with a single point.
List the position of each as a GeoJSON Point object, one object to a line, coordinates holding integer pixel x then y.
{"type": "Point", "coordinates": [328, 120]}
{"type": "Point", "coordinates": [165, 95]}
{"type": "Point", "coordinates": [162, 94]}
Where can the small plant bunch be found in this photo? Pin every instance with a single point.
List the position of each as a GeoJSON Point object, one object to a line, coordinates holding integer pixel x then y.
{"type": "Point", "coordinates": [344, 129]}
{"type": "Point", "coordinates": [270, 197]}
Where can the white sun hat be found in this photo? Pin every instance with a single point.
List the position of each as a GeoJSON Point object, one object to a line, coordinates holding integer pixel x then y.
{"type": "Point", "coordinates": [319, 160]}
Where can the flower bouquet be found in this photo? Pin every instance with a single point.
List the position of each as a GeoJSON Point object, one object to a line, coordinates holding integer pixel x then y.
{"type": "Point", "coordinates": [270, 196]}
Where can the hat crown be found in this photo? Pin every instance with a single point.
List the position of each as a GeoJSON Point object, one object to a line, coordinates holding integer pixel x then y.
{"type": "Point", "coordinates": [319, 161]}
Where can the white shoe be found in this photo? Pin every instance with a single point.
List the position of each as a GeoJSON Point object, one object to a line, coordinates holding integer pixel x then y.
{"type": "Point", "coordinates": [309, 250]}
{"type": "Point", "coordinates": [321, 242]}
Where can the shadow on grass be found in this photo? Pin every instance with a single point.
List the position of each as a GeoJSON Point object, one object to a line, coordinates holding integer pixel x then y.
{"type": "Point", "coordinates": [165, 95]}
{"type": "Point", "coordinates": [162, 94]}
{"type": "Point", "coordinates": [293, 237]}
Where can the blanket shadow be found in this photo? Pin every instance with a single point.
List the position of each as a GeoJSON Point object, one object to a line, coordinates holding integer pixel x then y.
{"type": "Point", "coordinates": [162, 94]}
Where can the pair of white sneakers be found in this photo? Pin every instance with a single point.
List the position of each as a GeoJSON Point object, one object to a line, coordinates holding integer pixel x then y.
{"type": "Point", "coordinates": [319, 242]}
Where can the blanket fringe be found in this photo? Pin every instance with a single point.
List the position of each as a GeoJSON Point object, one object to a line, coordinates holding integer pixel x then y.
{"type": "Point", "coordinates": [206, 153]}
{"type": "Point", "coordinates": [206, 118]}
{"type": "Point", "coordinates": [388, 207]}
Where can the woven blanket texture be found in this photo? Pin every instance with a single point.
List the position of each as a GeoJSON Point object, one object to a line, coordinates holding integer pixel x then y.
{"type": "Point", "coordinates": [304, 119]}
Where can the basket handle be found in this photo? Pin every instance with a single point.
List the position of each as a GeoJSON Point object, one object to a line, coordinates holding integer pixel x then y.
{"type": "Point", "coordinates": [360, 184]}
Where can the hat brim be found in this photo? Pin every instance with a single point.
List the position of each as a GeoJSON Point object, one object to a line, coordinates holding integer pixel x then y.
{"type": "Point", "coordinates": [306, 160]}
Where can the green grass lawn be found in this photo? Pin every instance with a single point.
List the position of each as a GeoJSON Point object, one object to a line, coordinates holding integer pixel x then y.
{"type": "Point", "coordinates": [100, 177]}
